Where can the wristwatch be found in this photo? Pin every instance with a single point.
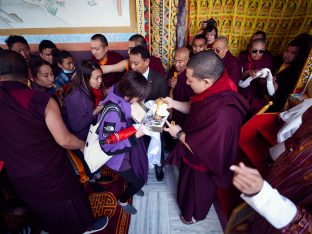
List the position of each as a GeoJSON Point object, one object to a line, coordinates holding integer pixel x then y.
{"type": "Point", "coordinates": [179, 134]}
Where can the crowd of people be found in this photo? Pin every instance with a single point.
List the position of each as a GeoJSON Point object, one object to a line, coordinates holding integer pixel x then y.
{"type": "Point", "coordinates": [48, 104]}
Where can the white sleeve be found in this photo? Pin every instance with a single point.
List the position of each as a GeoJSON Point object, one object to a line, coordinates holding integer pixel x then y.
{"type": "Point", "coordinates": [275, 208]}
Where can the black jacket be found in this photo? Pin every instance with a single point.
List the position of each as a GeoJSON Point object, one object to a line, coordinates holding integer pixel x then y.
{"type": "Point", "coordinates": [158, 85]}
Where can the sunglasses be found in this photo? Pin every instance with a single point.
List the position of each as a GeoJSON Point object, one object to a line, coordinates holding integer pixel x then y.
{"type": "Point", "coordinates": [256, 51]}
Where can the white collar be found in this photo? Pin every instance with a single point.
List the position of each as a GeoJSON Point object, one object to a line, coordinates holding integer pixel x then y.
{"type": "Point", "coordinates": [145, 74]}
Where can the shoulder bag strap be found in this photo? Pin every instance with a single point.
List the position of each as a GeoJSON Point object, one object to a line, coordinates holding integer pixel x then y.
{"type": "Point", "coordinates": [110, 106]}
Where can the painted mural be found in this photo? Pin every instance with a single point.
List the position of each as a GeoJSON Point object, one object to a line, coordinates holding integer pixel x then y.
{"type": "Point", "coordinates": [17, 14]}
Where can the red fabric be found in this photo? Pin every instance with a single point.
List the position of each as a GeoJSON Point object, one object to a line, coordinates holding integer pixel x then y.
{"type": "Point", "coordinates": [257, 136]}
{"type": "Point", "coordinates": [208, 46]}
{"type": "Point", "coordinates": [121, 135]}
{"type": "Point", "coordinates": [199, 167]}
{"type": "Point", "coordinates": [98, 95]}
{"type": "Point", "coordinates": [249, 62]}
{"type": "Point", "coordinates": [156, 65]}
{"type": "Point", "coordinates": [1, 165]}
{"type": "Point", "coordinates": [222, 84]}
{"type": "Point", "coordinates": [23, 97]}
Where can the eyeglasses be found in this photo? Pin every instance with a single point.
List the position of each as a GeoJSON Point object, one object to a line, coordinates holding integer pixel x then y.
{"type": "Point", "coordinates": [217, 50]}
{"type": "Point", "coordinates": [256, 51]}
{"type": "Point", "coordinates": [180, 61]}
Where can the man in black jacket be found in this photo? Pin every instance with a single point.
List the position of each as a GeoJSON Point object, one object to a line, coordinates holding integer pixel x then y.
{"type": "Point", "coordinates": [139, 59]}
{"type": "Point", "coordinates": [287, 72]}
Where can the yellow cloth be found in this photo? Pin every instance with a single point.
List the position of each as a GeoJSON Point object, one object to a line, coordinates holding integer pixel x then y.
{"type": "Point", "coordinates": [282, 67]}
{"type": "Point", "coordinates": [103, 61]}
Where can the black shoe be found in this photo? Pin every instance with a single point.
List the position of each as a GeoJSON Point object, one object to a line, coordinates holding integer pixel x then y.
{"type": "Point", "coordinates": [129, 209]}
{"type": "Point", "coordinates": [140, 193]}
{"type": "Point", "coordinates": [98, 225]}
{"type": "Point", "coordinates": [159, 172]}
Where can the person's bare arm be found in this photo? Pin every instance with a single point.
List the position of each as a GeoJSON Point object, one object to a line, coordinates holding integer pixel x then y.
{"type": "Point", "coordinates": [118, 67]}
{"type": "Point", "coordinates": [58, 129]}
{"type": "Point", "coordinates": [183, 107]}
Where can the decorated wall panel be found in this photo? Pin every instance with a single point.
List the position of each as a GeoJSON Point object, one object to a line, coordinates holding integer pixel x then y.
{"type": "Point", "coordinates": [238, 19]}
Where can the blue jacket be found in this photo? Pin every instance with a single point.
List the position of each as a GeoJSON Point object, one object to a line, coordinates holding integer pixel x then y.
{"type": "Point", "coordinates": [62, 79]}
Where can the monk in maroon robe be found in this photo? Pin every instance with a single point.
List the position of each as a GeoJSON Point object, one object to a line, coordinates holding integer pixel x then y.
{"type": "Point", "coordinates": [178, 89]}
{"type": "Point", "coordinates": [255, 58]}
{"type": "Point", "coordinates": [210, 136]}
{"type": "Point", "coordinates": [251, 61]}
{"type": "Point", "coordinates": [155, 64]}
{"type": "Point", "coordinates": [232, 66]}
{"type": "Point", "coordinates": [32, 136]}
{"type": "Point", "coordinates": [287, 73]}
{"type": "Point", "coordinates": [220, 46]}
{"type": "Point", "coordinates": [99, 49]}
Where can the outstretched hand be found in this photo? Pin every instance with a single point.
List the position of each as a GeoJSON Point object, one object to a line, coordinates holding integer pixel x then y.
{"type": "Point", "coordinates": [246, 179]}
{"type": "Point", "coordinates": [172, 129]}
{"type": "Point", "coordinates": [169, 102]}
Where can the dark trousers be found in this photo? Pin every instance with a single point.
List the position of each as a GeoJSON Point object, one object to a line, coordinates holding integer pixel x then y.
{"type": "Point", "coordinates": [135, 183]}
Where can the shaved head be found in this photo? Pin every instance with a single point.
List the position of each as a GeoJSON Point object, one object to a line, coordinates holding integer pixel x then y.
{"type": "Point", "coordinates": [258, 41]}
{"type": "Point", "coordinates": [181, 58]}
{"type": "Point", "coordinates": [183, 51]}
{"type": "Point", "coordinates": [13, 65]}
{"type": "Point", "coordinates": [223, 40]}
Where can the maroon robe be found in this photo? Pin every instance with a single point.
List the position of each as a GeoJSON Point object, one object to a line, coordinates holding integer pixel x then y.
{"type": "Point", "coordinates": [256, 91]}
{"type": "Point", "coordinates": [247, 64]}
{"type": "Point", "coordinates": [181, 92]}
{"type": "Point", "coordinates": [232, 66]}
{"type": "Point", "coordinates": [111, 78]}
{"type": "Point", "coordinates": [156, 65]}
{"type": "Point", "coordinates": [291, 176]}
{"type": "Point", "coordinates": [37, 167]}
{"type": "Point", "coordinates": [212, 131]}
